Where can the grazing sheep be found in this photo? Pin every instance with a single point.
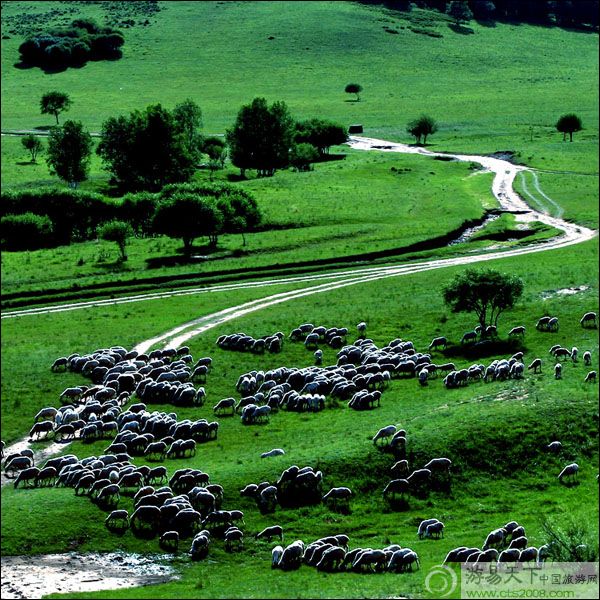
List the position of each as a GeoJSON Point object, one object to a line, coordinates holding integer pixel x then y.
{"type": "Point", "coordinates": [27, 475]}
{"type": "Point", "coordinates": [494, 538]}
{"type": "Point", "coordinates": [558, 371]}
{"type": "Point", "coordinates": [400, 467]}
{"type": "Point", "coordinates": [420, 476]}
{"type": "Point", "coordinates": [574, 353]}
{"type": "Point", "coordinates": [555, 446]}
{"type": "Point", "coordinates": [569, 471]}
{"type": "Point", "coordinates": [117, 520]}
{"type": "Point", "coordinates": [435, 530]}
{"type": "Point", "coordinates": [536, 365]}
{"type": "Point", "coordinates": [46, 413]}
{"type": "Point", "coordinates": [439, 464]}
{"type": "Point", "coordinates": [234, 538]}
{"type": "Point", "coordinates": [342, 494]}
{"type": "Point", "coordinates": [361, 328]}
{"type": "Point", "coordinates": [396, 486]}
{"type": "Point", "coordinates": [529, 554]}
{"type": "Point", "coordinates": [469, 336]}
{"type": "Point", "coordinates": [276, 555]}
{"type": "Point", "coordinates": [291, 558]}
{"type": "Point", "coordinates": [587, 358]}
{"type": "Point", "coordinates": [552, 324]}
{"type": "Point", "coordinates": [318, 357]}
{"type": "Point", "coordinates": [589, 317]}
{"type": "Point", "coordinates": [331, 559]}
{"type": "Point", "coordinates": [562, 353]}
{"type": "Point", "coordinates": [384, 433]}
{"type": "Point", "coordinates": [491, 331]}
{"type": "Point", "coordinates": [542, 323]}
{"type": "Point", "coordinates": [519, 330]}
{"type": "Point", "coordinates": [507, 556]}
{"type": "Point", "coordinates": [452, 556]}
{"type": "Point", "coordinates": [438, 342]}
{"type": "Point", "coordinates": [44, 427]}
{"type": "Point", "coordinates": [169, 541]}
{"type": "Point", "coordinates": [520, 543]}
{"type": "Point", "coordinates": [489, 555]}
{"type": "Point", "coordinates": [423, 373]}
{"type": "Point", "coordinates": [590, 377]}
{"type": "Point", "coordinates": [200, 545]}
{"type": "Point", "coordinates": [423, 526]}
{"type": "Point", "coordinates": [269, 532]}
{"type": "Point", "coordinates": [274, 452]}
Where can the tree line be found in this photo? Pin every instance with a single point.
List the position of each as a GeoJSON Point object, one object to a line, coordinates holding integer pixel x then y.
{"type": "Point", "coordinates": [45, 218]}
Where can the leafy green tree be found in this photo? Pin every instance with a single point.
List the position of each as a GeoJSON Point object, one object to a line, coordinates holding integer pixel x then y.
{"type": "Point", "coordinates": [188, 216]}
{"type": "Point", "coordinates": [487, 293]}
{"type": "Point", "coordinates": [322, 134]}
{"type": "Point", "coordinates": [422, 127]}
{"type": "Point", "coordinates": [69, 152]}
{"type": "Point", "coordinates": [53, 103]}
{"type": "Point", "coordinates": [460, 11]}
{"type": "Point", "coordinates": [188, 119]}
{"type": "Point", "coordinates": [216, 148]}
{"type": "Point", "coordinates": [33, 145]}
{"type": "Point", "coordinates": [302, 155]}
{"type": "Point", "coordinates": [261, 137]}
{"type": "Point", "coordinates": [354, 88]}
{"type": "Point", "coordinates": [118, 232]}
{"type": "Point", "coordinates": [569, 123]}
{"type": "Point", "coordinates": [148, 149]}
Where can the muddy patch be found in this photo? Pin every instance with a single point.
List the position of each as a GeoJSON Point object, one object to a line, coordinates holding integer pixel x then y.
{"type": "Point", "coordinates": [564, 291]}
{"type": "Point", "coordinates": [37, 576]}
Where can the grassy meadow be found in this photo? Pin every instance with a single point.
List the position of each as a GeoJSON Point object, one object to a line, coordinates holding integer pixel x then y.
{"type": "Point", "coordinates": [499, 472]}
{"type": "Point", "coordinates": [495, 89]}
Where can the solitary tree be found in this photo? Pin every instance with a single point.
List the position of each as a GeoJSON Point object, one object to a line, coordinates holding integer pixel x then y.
{"type": "Point", "coordinates": [188, 119]}
{"type": "Point", "coordinates": [460, 11]}
{"type": "Point", "coordinates": [354, 88]}
{"type": "Point", "coordinates": [116, 231]}
{"type": "Point", "coordinates": [487, 293]}
{"type": "Point", "coordinates": [33, 144]}
{"type": "Point", "coordinates": [69, 150]}
{"type": "Point", "coordinates": [569, 124]}
{"type": "Point", "coordinates": [53, 103]}
{"type": "Point", "coordinates": [188, 216]}
{"type": "Point", "coordinates": [422, 127]}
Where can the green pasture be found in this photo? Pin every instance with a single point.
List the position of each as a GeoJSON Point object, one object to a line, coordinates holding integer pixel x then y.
{"type": "Point", "coordinates": [499, 88]}
{"type": "Point", "coordinates": [344, 207]}
{"type": "Point", "coordinates": [494, 433]}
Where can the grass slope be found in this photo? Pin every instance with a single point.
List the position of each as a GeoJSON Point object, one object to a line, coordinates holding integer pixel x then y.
{"type": "Point", "coordinates": [494, 433]}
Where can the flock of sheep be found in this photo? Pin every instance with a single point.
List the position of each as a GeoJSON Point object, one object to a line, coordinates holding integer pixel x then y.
{"type": "Point", "coordinates": [188, 505]}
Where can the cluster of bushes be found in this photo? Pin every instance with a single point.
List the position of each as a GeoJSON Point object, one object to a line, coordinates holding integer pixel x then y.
{"type": "Point", "coordinates": [51, 217]}
{"type": "Point", "coordinates": [72, 47]}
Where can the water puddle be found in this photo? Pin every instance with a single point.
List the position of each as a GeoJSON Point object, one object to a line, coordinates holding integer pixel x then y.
{"type": "Point", "coordinates": [564, 292]}
{"type": "Point", "coordinates": [37, 576]}
{"type": "Point", "coordinates": [468, 233]}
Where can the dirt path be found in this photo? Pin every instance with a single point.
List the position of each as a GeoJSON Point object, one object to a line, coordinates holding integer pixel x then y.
{"type": "Point", "coordinates": [37, 576]}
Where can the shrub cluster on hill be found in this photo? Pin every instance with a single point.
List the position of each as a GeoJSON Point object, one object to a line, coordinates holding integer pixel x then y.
{"type": "Point", "coordinates": [59, 49]}
{"type": "Point", "coordinates": [51, 217]}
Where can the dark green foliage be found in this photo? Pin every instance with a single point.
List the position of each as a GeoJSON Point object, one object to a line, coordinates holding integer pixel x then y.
{"type": "Point", "coordinates": [214, 147]}
{"type": "Point", "coordinates": [483, 9]}
{"type": "Point", "coordinates": [460, 11]}
{"type": "Point", "coordinates": [187, 116]}
{"type": "Point", "coordinates": [59, 49]}
{"type": "Point", "coordinates": [69, 152]}
{"type": "Point", "coordinates": [238, 209]}
{"type": "Point", "coordinates": [148, 149]}
{"type": "Point", "coordinates": [574, 543]}
{"type": "Point", "coordinates": [138, 210]}
{"type": "Point", "coordinates": [118, 232]}
{"type": "Point", "coordinates": [53, 103]}
{"type": "Point", "coordinates": [321, 134]}
{"type": "Point", "coordinates": [422, 127]}
{"type": "Point", "coordinates": [261, 137]}
{"type": "Point", "coordinates": [569, 123]}
{"type": "Point", "coordinates": [26, 231]}
{"type": "Point", "coordinates": [302, 155]}
{"type": "Point", "coordinates": [32, 144]}
{"type": "Point", "coordinates": [188, 216]}
{"type": "Point", "coordinates": [74, 215]}
{"type": "Point", "coordinates": [354, 88]}
{"type": "Point", "coordinates": [487, 293]}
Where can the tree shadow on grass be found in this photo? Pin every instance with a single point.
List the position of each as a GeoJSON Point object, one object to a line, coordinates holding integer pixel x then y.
{"type": "Point", "coordinates": [25, 163]}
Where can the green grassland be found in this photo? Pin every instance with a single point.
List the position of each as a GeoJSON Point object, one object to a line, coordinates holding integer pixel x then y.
{"type": "Point", "coordinates": [486, 89]}
{"type": "Point", "coordinates": [494, 433]}
{"type": "Point", "coordinates": [482, 88]}
{"type": "Point", "coordinates": [346, 207]}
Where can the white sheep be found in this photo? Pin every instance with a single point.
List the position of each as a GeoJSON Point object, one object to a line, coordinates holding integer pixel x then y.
{"type": "Point", "coordinates": [587, 358]}
{"type": "Point", "coordinates": [558, 371]}
{"type": "Point", "coordinates": [435, 529]}
{"type": "Point", "coordinates": [274, 452]}
{"type": "Point", "coordinates": [574, 353]}
{"type": "Point", "coordinates": [590, 377]}
{"type": "Point", "coordinates": [519, 330]}
{"type": "Point", "coordinates": [423, 526]}
{"type": "Point", "coordinates": [569, 471]}
{"type": "Point", "coordinates": [536, 365]}
{"type": "Point", "coordinates": [589, 317]}
{"type": "Point", "coordinates": [384, 432]}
